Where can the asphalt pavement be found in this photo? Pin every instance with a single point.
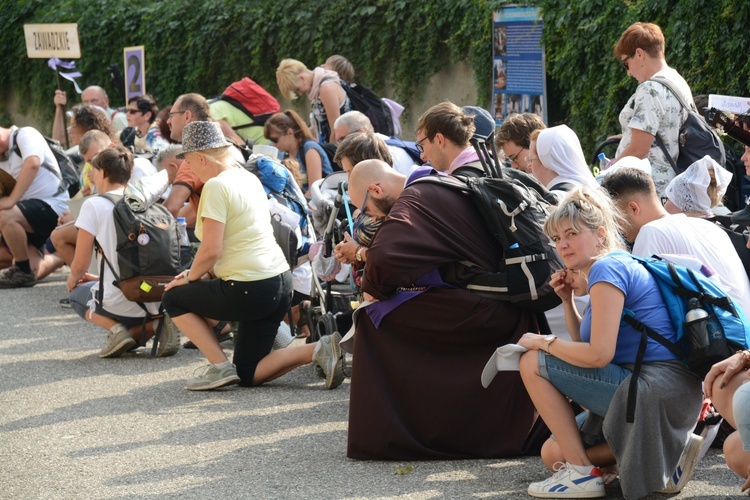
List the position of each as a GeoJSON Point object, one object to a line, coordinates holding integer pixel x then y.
{"type": "Point", "coordinates": [73, 425]}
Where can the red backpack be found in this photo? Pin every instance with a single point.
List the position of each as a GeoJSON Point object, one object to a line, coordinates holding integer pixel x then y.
{"type": "Point", "coordinates": [252, 99]}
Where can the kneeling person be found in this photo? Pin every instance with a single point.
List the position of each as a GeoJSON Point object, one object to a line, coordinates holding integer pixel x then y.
{"type": "Point", "coordinates": [110, 309]}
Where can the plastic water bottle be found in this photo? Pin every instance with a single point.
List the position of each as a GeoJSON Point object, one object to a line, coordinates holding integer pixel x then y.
{"type": "Point", "coordinates": [185, 248]}
{"type": "Point", "coordinates": [696, 324]}
{"type": "Point", "coordinates": [603, 162]}
{"type": "Point", "coordinates": [182, 231]}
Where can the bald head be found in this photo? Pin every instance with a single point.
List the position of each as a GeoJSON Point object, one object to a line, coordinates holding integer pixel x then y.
{"type": "Point", "coordinates": [95, 96]}
{"type": "Point", "coordinates": [379, 182]}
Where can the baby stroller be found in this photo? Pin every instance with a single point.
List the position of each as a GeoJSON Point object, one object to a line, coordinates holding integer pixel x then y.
{"type": "Point", "coordinates": [328, 300]}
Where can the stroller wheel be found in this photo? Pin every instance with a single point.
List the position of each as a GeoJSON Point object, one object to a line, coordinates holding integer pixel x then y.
{"type": "Point", "coordinates": [326, 326]}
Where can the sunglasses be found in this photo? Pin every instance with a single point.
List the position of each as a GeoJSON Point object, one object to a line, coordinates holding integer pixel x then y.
{"type": "Point", "coordinates": [274, 139]}
{"type": "Point", "coordinates": [625, 64]}
{"type": "Point", "coordinates": [133, 111]}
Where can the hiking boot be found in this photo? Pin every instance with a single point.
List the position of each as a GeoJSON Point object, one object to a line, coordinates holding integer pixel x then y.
{"type": "Point", "coordinates": [169, 340]}
{"type": "Point", "coordinates": [210, 377]}
{"type": "Point", "coordinates": [118, 342]}
{"type": "Point", "coordinates": [685, 466]}
{"type": "Point", "coordinates": [329, 357]}
{"type": "Point", "coordinates": [13, 277]}
{"type": "Point", "coordinates": [568, 482]}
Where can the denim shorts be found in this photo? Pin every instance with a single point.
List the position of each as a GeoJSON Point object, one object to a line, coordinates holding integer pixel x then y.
{"type": "Point", "coordinates": [741, 410]}
{"type": "Point", "coordinates": [592, 388]}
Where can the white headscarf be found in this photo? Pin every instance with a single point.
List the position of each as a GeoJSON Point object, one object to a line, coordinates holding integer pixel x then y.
{"type": "Point", "coordinates": [689, 190]}
{"type": "Point", "coordinates": [560, 150]}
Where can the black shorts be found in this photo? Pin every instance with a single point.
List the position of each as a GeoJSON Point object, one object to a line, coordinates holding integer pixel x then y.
{"type": "Point", "coordinates": [41, 218]}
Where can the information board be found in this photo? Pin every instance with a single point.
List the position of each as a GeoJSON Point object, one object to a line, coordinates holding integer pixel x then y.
{"type": "Point", "coordinates": [519, 83]}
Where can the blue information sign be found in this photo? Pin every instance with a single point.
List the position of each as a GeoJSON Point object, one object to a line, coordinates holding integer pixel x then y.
{"type": "Point", "coordinates": [519, 84]}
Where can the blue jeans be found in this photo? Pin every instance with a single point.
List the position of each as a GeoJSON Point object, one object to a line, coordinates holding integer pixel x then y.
{"type": "Point", "coordinates": [592, 388]}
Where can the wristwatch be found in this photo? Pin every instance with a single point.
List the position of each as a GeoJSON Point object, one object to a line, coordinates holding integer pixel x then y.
{"type": "Point", "coordinates": [358, 254]}
{"type": "Point", "coordinates": [549, 339]}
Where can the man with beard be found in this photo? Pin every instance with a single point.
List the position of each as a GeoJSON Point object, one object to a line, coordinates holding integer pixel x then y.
{"type": "Point", "coordinates": [421, 346]}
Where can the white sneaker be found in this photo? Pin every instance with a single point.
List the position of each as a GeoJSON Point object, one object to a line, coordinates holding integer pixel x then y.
{"type": "Point", "coordinates": [567, 482]}
{"type": "Point", "coordinates": [685, 466]}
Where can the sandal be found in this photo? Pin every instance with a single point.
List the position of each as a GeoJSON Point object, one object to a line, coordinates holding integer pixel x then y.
{"type": "Point", "coordinates": [221, 337]}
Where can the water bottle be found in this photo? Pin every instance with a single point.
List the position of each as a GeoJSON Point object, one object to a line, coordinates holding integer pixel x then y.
{"type": "Point", "coordinates": [603, 162]}
{"type": "Point", "coordinates": [696, 324]}
{"type": "Point", "coordinates": [182, 231]}
{"type": "Point", "coordinates": [185, 248]}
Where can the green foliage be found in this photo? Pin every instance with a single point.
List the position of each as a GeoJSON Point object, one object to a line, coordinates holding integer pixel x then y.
{"type": "Point", "coordinates": [705, 43]}
{"type": "Point", "coordinates": [394, 45]}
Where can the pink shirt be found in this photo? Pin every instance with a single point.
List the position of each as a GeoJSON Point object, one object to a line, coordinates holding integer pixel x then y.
{"type": "Point", "coordinates": [468, 155]}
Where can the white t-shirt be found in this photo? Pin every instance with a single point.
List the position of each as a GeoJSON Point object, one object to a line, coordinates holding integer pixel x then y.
{"type": "Point", "coordinates": [46, 184]}
{"type": "Point", "coordinates": [249, 251]}
{"type": "Point", "coordinates": [96, 218]}
{"type": "Point", "coordinates": [680, 234]}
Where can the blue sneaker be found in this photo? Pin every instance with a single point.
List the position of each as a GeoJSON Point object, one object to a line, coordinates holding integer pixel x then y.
{"type": "Point", "coordinates": [568, 482]}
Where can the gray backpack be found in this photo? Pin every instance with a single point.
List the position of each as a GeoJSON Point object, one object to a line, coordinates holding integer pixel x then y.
{"type": "Point", "coordinates": [696, 137]}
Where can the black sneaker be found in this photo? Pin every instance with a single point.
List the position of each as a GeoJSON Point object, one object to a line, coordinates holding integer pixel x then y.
{"type": "Point", "coordinates": [13, 277]}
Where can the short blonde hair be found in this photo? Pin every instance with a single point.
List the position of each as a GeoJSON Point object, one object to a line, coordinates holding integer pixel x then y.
{"type": "Point", "coordinates": [287, 76]}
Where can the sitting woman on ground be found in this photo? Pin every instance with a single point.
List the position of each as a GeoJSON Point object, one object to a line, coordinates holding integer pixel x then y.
{"type": "Point", "coordinates": [323, 87]}
{"type": "Point", "coordinates": [590, 368]}
{"type": "Point", "coordinates": [289, 133]}
{"type": "Point", "coordinates": [109, 308]}
{"type": "Point", "coordinates": [239, 274]}
{"type": "Point", "coordinates": [699, 190]}
{"type": "Point", "coordinates": [727, 387]}
{"type": "Point", "coordinates": [556, 159]}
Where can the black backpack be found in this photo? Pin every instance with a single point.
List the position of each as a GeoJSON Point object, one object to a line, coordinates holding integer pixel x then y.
{"type": "Point", "coordinates": [371, 105]}
{"type": "Point", "coordinates": [70, 179]}
{"type": "Point", "coordinates": [514, 215]}
{"type": "Point", "coordinates": [696, 137]}
{"type": "Point", "coordinates": [148, 251]}
{"type": "Point", "coordinates": [736, 236]}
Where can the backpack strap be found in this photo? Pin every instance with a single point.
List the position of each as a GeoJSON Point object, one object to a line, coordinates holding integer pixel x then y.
{"type": "Point", "coordinates": [646, 332]}
{"type": "Point", "coordinates": [657, 137]}
{"type": "Point", "coordinates": [42, 163]}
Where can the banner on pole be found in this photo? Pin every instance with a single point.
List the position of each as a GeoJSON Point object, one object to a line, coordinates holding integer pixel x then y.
{"type": "Point", "coordinates": [44, 41]}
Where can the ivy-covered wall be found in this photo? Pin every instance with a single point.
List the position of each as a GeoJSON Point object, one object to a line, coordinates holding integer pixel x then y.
{"type": "Point", "coordinates": [202, 45]}
{"type": "Point", "coordinates": [396, 46]}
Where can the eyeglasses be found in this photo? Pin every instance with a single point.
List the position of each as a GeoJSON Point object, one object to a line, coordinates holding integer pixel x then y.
{"type": "Point", "coordinates": [530, 160]}
{"type": "Point", "coordinates": [364, 201]}
{"type": "Point", "coordinates": [513, 158]}
{"type": "Point", "coordinates": [133, 111]}
{"type": "Point", "coordinates": [274, 139]}
{"type": "Point", "coordinates": [419, 146]}
{"type": "Point", "coordinates": [172, 113]}
{"type": "Point", "coordinates": [625, 64]}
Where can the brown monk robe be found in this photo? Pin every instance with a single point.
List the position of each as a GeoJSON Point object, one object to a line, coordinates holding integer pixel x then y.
{"type": "Point", "coordinates": [416, 391]}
